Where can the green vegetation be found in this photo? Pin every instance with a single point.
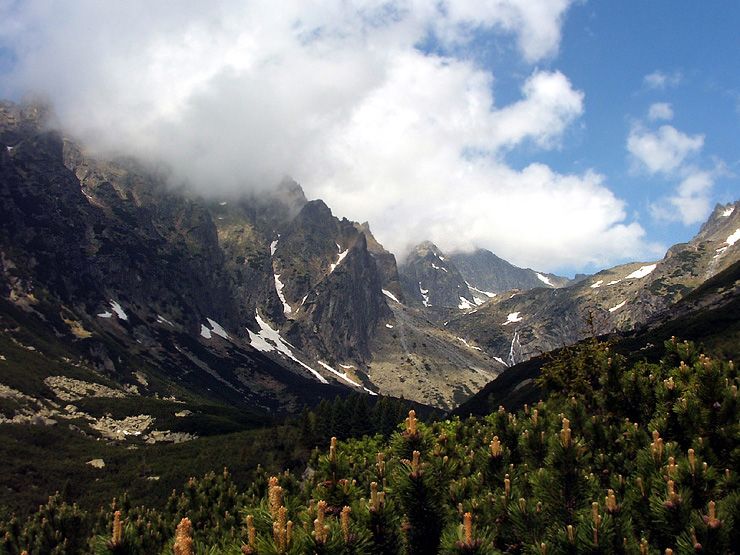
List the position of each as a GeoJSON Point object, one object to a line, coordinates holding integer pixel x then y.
{"type": "Point", "coordinates": [620, 458]}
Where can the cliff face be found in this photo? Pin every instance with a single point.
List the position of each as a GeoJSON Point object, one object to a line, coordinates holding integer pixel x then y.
{"type": "Point", "coordinates": [429, 279]}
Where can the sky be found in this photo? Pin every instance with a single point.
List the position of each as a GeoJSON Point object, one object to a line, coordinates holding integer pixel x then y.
{"type": "Point", "coordinates": [563, 135]}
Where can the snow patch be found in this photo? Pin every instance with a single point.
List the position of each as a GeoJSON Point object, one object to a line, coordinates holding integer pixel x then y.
{"type": "Point", "coordinates": [424, 295]}
{"type": "Point", "coordinates": [499, 359]}
{"type": "Point", "coordinates": [389, 326]}
{"type": "Point", "coordinates": [614, 281]}
{"type": "Point", "coordinates": [223, 203]}
{"type": "Point", "coordinates": [346, 366]}
{"type": "Point", "coordinates": [115, 307]}
{"type": "Point", "coordinates": [205, 332]}
{"type": "Point", "coordinates": [438, 267]}
{"type": "Point", "coordinates": [642, 271]}
{"type": "Point", "coordinates": [217, 329]}
{"type": "Point", "coordinates": [162, 320]}
{"type": "Point", "coordinates": [617, 307]}
{"type": "Point", "coordinates": [268, 340]}
{"type": "Point", "coordinates": [732, 239]}
{"type": "Point", "coordinates": [476, 290]}
{"type": "Point", "coordinates": [273, 247]}
{"type": "Point", "coordinates": [511, 318]}
{"type": "Point", "coordinates": [340, 375]}
{"type": "Point", "coordinates": [469, 345]}
{"type": "Point", "coordinates": [476, 299]}
{"type": "Point", "coordinates": [105, 314]}
{"type": "Point", "coordinates": [342, 254]}
{"type": "Point", "coordinates": [725, 214]}
{"type": "Point", "coordinates": [545, 280]}
{"type": "Point", "coordinates": [465, 304]}
{"type": "Point", "coordinates": [390, 295]}
{"type": "Point", "coordinates": [597, 284]}
{"type": "Point", "coordinates": [279, 288]}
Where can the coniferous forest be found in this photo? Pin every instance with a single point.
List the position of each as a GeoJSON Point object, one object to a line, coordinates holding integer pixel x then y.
{"type": "Point", "coordinates": [617, 458]}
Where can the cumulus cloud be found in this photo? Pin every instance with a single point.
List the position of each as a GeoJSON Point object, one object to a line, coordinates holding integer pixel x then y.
{"type": "Point", "coordinates": [536, 24]}
{"type": "Point", "coordinates": [664, 150]}
{"type": "Point", "coordinates": [691, 201]}
{"type": "Point", "coordinates": [669, 153]}
{"type": "Point", "coordinates": [660, 111]}
{"type": "Point", "coordinates": [660, 80]}
{"type": "Point", "coordinates": [235, 95]}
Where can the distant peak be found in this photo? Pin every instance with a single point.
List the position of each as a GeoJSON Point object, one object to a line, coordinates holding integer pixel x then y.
{"type": "Point", "coordinates": [426, 247]}
{"type": "Point", "coordinates": [317, 207]}
{"type": "Point", "coordinates": [722, 216]}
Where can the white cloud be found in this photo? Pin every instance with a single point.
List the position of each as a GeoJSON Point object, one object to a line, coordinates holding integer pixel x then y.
{"type": "Point", "coordinates": [662, 151]}
{"type": "Point", "coordinates": [548, 105]}
{"type": "Point", "coordinates": [661, 80]}
{"type": "Point", "coordinates": [235, 95]}
{"type": "Point", "coordinates": [660, 111]}
{"type": "Point", "coordinates": [668, 152]}
{"type": "Point", "coordinates": [691, 202]}
{"type": "Point", "coordinates": [536, 23]}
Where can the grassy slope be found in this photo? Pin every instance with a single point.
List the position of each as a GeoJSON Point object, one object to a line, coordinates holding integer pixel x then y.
{"type": "Point", "coordinates": [39, 460]}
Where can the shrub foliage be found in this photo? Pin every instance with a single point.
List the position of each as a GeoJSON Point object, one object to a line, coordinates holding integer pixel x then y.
{"type": "Point", "coordinates": [618, 459]}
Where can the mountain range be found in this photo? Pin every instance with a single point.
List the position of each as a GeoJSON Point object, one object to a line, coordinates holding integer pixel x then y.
{"type": "Point", "coordinates": [112, 277]}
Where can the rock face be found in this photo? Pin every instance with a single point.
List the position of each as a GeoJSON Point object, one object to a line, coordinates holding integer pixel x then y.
{"type": "Point", "coordinates": [429, 279]}
{"type": "Point", "coordinates": [330, 284]}
{"type": "Point", "coordinates": [253, 300]}
{"type": "Point", "coordinates": [484, 270]}
{"type": "Point", "coordinates": [385, 261]}
{"type": "Point", "coordinates": [134, 275]}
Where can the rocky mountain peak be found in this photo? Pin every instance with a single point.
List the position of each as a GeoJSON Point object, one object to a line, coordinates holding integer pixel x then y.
{"type": "Point", "coordinates": [426, 248]}
{"type": "Point", "coordinates": [291, 194]}
{"type": "Point", "coordinates": [430, 279]}
{"type": "Point", "coordinates": [485, 271]}
{"type": "Point", "coordinates": [723, 221]}
{"type": "Point", "coordinates": [315, 212]}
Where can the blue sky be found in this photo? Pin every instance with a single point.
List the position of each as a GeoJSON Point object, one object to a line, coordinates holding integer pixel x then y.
{"type": "Point", "coordinates": [563, 135]}
{"type": "Point", "coordinates": [607, 50]}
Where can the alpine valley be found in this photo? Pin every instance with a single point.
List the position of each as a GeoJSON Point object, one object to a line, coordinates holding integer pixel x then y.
{"type": "Point", "coordinates": [133, 312]}
{"type": "Point", "coordinates": [112, 279]}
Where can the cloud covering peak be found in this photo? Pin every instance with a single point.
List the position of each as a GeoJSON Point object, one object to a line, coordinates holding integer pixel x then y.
{"type": "Point", "coordinates": [234, 95]}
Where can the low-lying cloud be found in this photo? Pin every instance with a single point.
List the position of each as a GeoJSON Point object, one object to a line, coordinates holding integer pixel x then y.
{"type": "Point", "coordinates": [236, 95]}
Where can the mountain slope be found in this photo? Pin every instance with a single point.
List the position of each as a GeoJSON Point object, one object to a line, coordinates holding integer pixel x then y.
{"type": "Point", "coordinates": [708, 316]}
{"type": "Point", "coordinates": [518, 325]}
{"type": "Point", "coordinates": [236, 296]}
{"type": "Point", "coordinates": [485, 271]}
{"type": "Point", "coordinates": [241, 299]}
{"type": "Point", "coordinates": [429, 279]}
